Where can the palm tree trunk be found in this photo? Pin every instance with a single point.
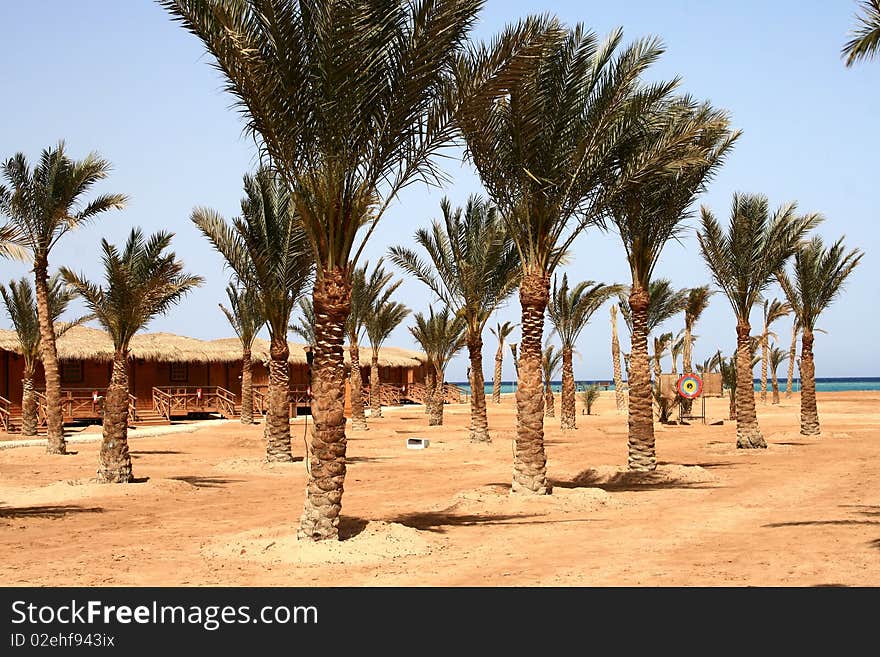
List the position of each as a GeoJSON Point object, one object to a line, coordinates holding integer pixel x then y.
{"type": "Point", "coordinates": [430, 385]}
{"type": "Point", "coordinates": [642, 455]}
{"type": "Point", "coordinates": [809, 411]}
{"type": "Point", "coordinates": [247, 388]}
{"type": "Point", "coordinates": [765, 343]}
{"type": "Point", "coordinates": [435, 409]}
{"type": "Point", "coordinates": [530, 461]}
{"type": "Point", "coordinates": [375, 385]}
{"type": "Point", "coordinates": [28, 405]}
{"type": "Point", "coordinates": [114, 464]}
{"type": "Point", "coordinates": [358, 419]}
{"type": "Point", "coordinates": [748, 433]}
{"type": "Point", "coordinates": [792, 354]}
{"type": "Point", "coordinates": [731, 415]}
{"type": "Point", "coordinates": [775, 388]}
{"type": "Point", "coordinates": [496, 380]}
{"type": "Point", "coordinates": [619, 397]}
{"type": "Point", "coordinates": [49, 356]}
{"type": "Point", "coordinates": [687, 365]}
{"type": "Point", "coordinates": [549, 401]}
{"type": "Point", "coordinates": [479, 420]}
{"type": "Point", "coordinates": [567, 407]}
{"type": "Point", "coordinates": [331, 298]}
{"type": "Point", "coordinates": [278, 415]}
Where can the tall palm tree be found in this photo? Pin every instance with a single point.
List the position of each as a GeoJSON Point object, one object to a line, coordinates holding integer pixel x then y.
{"type": "Point", "coordinates": [245, 315]}
{"type": "Point", "coordinates": [819, 274]}
{"type": "Point", "coordinates": [647, 215]}
{"type": "Point", "coordinates": [697, 302]}
{"type": "Point", "coordinates": [501, 333]}
{"type": "Point", "coordinates": [662, 345]}
{"type": "Point", "coordinates": [570, 310]}
{"type": "Point", "coordinates": [792, 357]}
{"type": "Point", "coordinates": [677, 349]}
{"type": "Point", "coordinates": [267, 251]}
{"type": "Point", "coordinates": [865, 40]}
{"type": "Point", "coordinates": [42, 205]}
{"type": "Point", "coordinates": [351, 99]}
{"type": "Point", "coordinates": [22, 308]}
{"type": "Point", "coordinates": [383, 318]}
{"type": "Point", "coordinates": [743, 262]}
{"type": "Point", "coordinates": [773, 311]}
{"type": "Point", "coordinates": [366, 293]}
{"type": "Point", "coordinates": [548, 151]}
{"type": "Point", "coordinates": [473, 268]}
{"type": "Point", "coordinates": [304, 323]}
{"type": "Point", "coordinates": [441, 335]}
{"type": "Point", "coordinates": [619, 396]}
{"type": "Point", "coordinates": [551, 359]}
{"type": "Point", "coordinates": [777, 355]}
{"type": "Point", "coordinates": [140, 282]}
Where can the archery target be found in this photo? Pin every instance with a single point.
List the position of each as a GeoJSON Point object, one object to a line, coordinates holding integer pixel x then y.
{"type": "Point", "coordinates": [689, 386]}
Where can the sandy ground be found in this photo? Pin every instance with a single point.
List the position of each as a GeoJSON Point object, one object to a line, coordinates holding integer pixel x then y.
{"type": "Point", "coordinates": [208, 511]}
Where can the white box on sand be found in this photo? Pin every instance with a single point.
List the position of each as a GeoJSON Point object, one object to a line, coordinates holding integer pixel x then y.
{"type": "Point", "coordinates": [417, 443]}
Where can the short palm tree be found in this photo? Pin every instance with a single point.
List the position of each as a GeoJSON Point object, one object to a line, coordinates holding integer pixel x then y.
{"type": "Point", "coordinates": [792, 357]}
{"type": "Point", "coordinates": [819, 274]}
{"type": "Point", "coordinates": [441, 335]}
{"type": "Point", "coordinates": [773, 311]}
{"type": "Point", "coordinates": [570, 310]}
{"type": "Point", "coordinates": [743, 261]}
{"type": "Point", "coordinates": [776, 357]}
{"type": "Point", "coordinates": [865, 40]}
{"type": "Point", "coordinates": [501, 333]}
{"type": "Point", "coordinates": [589, 395]}
{"type": "Point", "coordinates": [472, 268]}
{"type": "Point", "coordinates": [42, 205]}
{"type": "Point", "coordinates": [551, 360]}
{"type": "Point", "coordinates": [548, 152]}
{"type": "Point", "coordinates": [647, 215]}
{"type": "Point", "coordinates": [366, 293]}
{"type": "Point", "coordinates": [266, 249]}
{"type": "Point", "coordinates": [351, 100]}
{"type": "Point", "coordinates": [141, 282]}
{"type": "Point", "coordinates": [383, 318]}
{"type": "Point", "coordinates": [22, 308]}
{"type": "Point", "coordinates": [245, 316]}
{"type": "Point", "coordinates": [619, 396]}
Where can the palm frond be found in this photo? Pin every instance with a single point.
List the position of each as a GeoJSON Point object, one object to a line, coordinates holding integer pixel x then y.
{"type": "Point", "coordinates": [865, 39]}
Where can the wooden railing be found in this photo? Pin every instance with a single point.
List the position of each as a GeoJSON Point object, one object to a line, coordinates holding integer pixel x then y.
{"type": "Point", "coordinates": [298, 395]}
{"type": "Point", "coordinates": [261, 401]}
{"type": "Point", "coordinates": [162, 403]}
{"type": "Point", "coordinates": [183, 400]}
{"type": "Point", "coordinates": [132, 409]}
{"type": "Point", "coordinates": [42, 406]}
{"type": "Point", "coordinates": [5, 413]}
{"type": "Point", "coordinates": [416, 392]}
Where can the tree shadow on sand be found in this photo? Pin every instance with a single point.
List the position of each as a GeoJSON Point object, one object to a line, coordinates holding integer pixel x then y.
{"type": "Point", "coordinates": [438, 521]}
{"type": "Point", "coordinates": [151, 452]}
{"type": "Point", "coordinates": [626, 481]}
{"type": "Point", "coordinates": [206, 482]}
{"type": "Point", "coordinates": [51, 511]}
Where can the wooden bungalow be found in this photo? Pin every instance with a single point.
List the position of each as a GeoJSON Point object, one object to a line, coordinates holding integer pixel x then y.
{"type": "Point", "coordinates": [173, 376]}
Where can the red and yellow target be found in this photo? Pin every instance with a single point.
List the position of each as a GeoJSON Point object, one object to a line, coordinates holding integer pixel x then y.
{"type": "Point", "coordinates": [689, 386]}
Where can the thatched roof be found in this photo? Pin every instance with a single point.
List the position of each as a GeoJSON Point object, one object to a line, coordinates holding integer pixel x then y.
{"type": "Point", "coordinates": [87, 343]}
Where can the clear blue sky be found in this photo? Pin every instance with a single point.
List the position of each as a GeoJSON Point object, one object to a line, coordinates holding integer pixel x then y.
{"type": "Point", "coordinates": [122, 79]}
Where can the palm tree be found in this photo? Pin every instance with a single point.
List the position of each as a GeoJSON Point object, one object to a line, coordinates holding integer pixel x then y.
{"type": "Point", "coordinates": [662, 344]}
{"type": "Point", "coordinates": [676, 349]}
{"type": "Point", "coordinates": [697, 302]}
{"type": "Point", "coordinates": [140, 282]}
{"type": "Point", "coordinates": [473, 268]}
{"type": "Point", "coordinates": [441, 335]}
{"type": "Point", "coordinates": [501, 333]}
{"type": "Point", "coordinates": [366, 293]}
{"type": "Point", "coordinates": [383, 318]}
{"type": "Point", "coordinates": [777, 355]}
{"type": "Point", "coordinates": [570, 310]}
{"type": "Point", "coordinates": [866, 36]}
{"type": "Point", "coordinates": [664, 303]}
{"type": "Point", "coordinates": [551, 359]}
{"type": "Point", "coordinates": [548, 151]}
{"type": "Point", "coordinates": [266, 249]}
{"type": "Point", "coordinates": [818, 279]}
{"type": "Point", "coordinates": [22, 308]}
{"type": "Point", "coordinates": [351, 100]}
{"type": "Point", "coordinates": [245, 315]}
{"type": "Point", "coordinates": [647, 215]}
{"type": "Point", "coordinates": [304, 324]}
{"type": "Point", "coordinates": [619, 397]}
{"type": "Point", "coordinates": [743, 262]}
{"type": "Point", "coordinates": [42, 205]}
{"type": "Point", "coordinates": [773, 310]}
{"type": "Point", "coordinates": [792, 356]}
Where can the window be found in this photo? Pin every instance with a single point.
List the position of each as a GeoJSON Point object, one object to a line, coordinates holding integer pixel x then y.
{"type": "Point", "coordinates": [71, 371]}
{"type": "Point", "coordinates": [178, 373]}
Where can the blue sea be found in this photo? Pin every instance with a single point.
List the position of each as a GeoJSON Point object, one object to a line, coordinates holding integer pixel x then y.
{"type": "Point", "coordinates": [835, 384]}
